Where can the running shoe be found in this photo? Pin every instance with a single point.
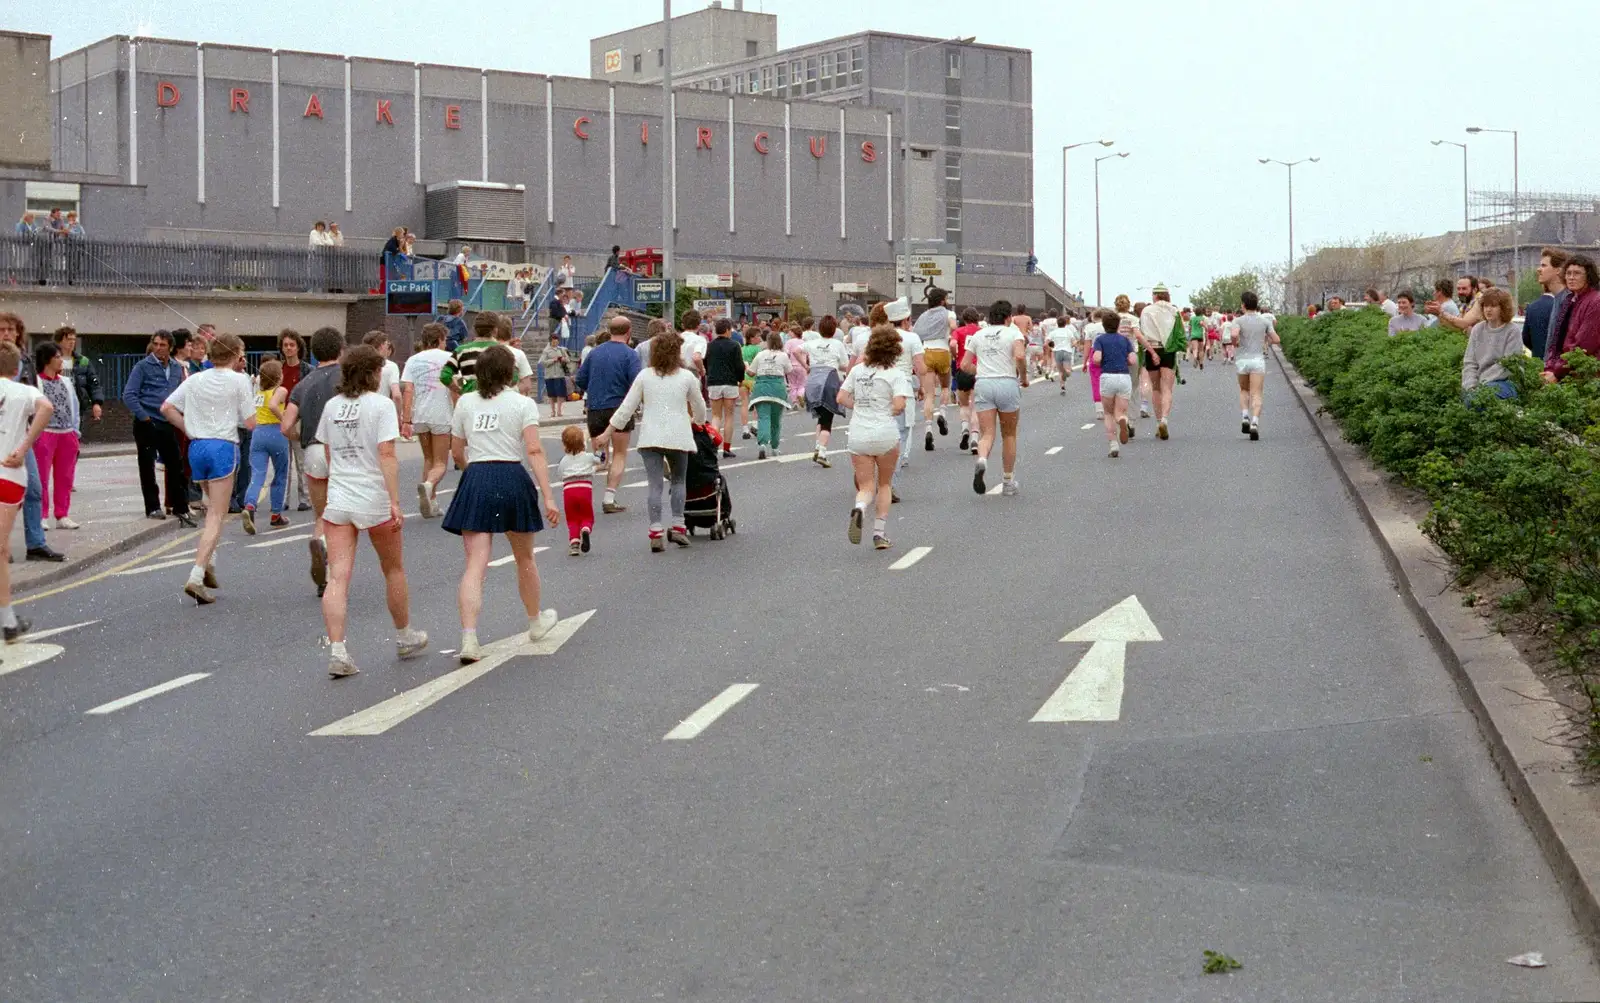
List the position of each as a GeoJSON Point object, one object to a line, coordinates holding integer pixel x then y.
{"type": "Point", "coordinates": [211, 576]}
{"type": "Point", "coordinates": [944, 426]}
{"type": "Point", "coordinates": [471, 650]}
{"type": "Point", "coordinates": [966, 439]}
{"type": "Point", "coordinates": [425, 502]}
{"type": "Point", "coordinates": [1161, 430]}
{"type": "Point", "coordinates": [746, 434]}
{"type": "Point", "coordinates": [880, 542]}
{"type": "Point", "coordinates": [857, 517]}
{"type": "Point", "coordinates": [894, 496]}
{"type": "Point", "coordinates": [678, 535]}
{"type": "Point", "coordinates": [1144, 410]}
{"type": "Point", "coordinates": [977, 477]}
{"type": "Point", "coordinates": [278, 521]}
{"type": "Point", "coordinates": [248, 517]}
{"type": "Point", "coordinates": [612, 508]}
{"type": "Point", "coordinates": [1113, 451]}
{"type": "Point", "coordinates": [319, 562]}
{"type": "Point", "coordinates": [542, 625]}
{"type": "Point", "coordinates": [1255, 432]}
{"type": "Point", "coordinates": [761, 453]}
{"type": "Point", "coordinates": [583, 540]}
{"type": "Point", "coordinates": [201, 595]}
{"type": "Point", "coordinates": [1244, 425]}
{"type": "Point", "coordinates": [658, 541]}
{"type": "Point", "coordinates": [65, 523]}
{"type": "Point", "coordinates": [339, 668]}
{"type": "Point", "coordinates": [411, 642]}
{"type": "Point", "coordinates": [1008, 489]}
{"type": "Point", "coordinates": [1124, 430]}
{"type": "Point", "coordinates": [727, 454]}
{"type": "Point", "coordinates": [574, 549]}
{"type": "Point", "coordinates": [14, 634]}
{"type": "Point", "coordinates": [927, 440]}
{"type": "Point", "coordinates": [304, 506]}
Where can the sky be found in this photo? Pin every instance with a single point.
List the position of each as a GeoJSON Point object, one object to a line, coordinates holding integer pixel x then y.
{"type": "Point", "coordinates": [1195, 92]}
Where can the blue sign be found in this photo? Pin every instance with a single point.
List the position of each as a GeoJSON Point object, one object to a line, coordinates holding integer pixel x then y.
{"type": "Point", "coordinates": [409, 297]}
{"type": "Point", "coordinates": [646, 291]}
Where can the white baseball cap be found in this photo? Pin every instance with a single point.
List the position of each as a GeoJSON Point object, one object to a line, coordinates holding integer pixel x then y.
{"type": "Point", "coordinates": [897, 310]}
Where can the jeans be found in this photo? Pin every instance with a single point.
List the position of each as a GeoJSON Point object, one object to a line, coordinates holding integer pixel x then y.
{"type": "Point", "coordinates": [769, 419]}
{"type": "Point", "coordinates": [659, 465]}
{"type": "Point", "coordinates": [33, 505]}
{"type": "Point", "coordinates": [297, 459]}
{"type": "Point", "coordinates": [57, 456]}
{"type": "Point", "coordinates": [268, 443]}
{"type": "Point", "coordinates": [155, 438]}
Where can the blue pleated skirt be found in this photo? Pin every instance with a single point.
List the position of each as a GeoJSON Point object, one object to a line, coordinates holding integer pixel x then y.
{"type": "Point", "coordinates": [494, 497]}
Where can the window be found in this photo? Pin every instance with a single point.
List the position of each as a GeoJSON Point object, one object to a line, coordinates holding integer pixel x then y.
{"type": "Point", "coordinates": [752, 48]}
{"type": "Point", "coordinates": [661, 57]}
{"type": "Point", "coordinates": [811, 74]}
{"type": "Point", "coordinates": [738, 83]}
{"type": "Point", "coordinates": [755, 82]}
{"type": "Point", "coordinates": [841, 68]}
{"type": "Point", "coordinates": [638, 62]}
{"type": "Point", "coordinates": [766, 79]}
{"type": "Point", "coordinates": [952, 217]}
{"type": "Point", "coordinates": [42, 196]}
{"type": "Point", "coordinates": [783, 77]}
{"type": "Point", "coordinates": [953, 64]}
{"type": "Point", "coordinates": [857, 64]}
{"type": "Point", "coordinates": [795, 78]}
{"type": "Point", "coordinates": [827, 71]}
{"type": "Point", "coordinates": [952, 167]}
{"type": "Point", "coordinates": [952, 122]}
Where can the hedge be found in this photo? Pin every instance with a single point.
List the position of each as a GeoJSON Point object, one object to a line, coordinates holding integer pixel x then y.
{"type": "Point", "coordinates": [1514, 486]}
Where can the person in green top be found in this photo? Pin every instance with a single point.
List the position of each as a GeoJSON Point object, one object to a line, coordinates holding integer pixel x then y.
{"type": "Point", "coordinates": [751, 348]}
{"type": "Point", "coordinates": [457, 374]}
{"type": "Point", "coordinates": [1197, 337]}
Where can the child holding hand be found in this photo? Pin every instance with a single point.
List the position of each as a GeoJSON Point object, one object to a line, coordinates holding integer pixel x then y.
{"type": "Point", "coordinates": [577, 471]}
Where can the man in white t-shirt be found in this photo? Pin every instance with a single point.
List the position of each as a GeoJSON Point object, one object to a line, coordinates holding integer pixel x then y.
{"type": "Point", "coordinates": [912, 365]}
{"type": "Point", "coordinates": [693, 352]}
{"type": "Point", "coordinates": [24, 413]}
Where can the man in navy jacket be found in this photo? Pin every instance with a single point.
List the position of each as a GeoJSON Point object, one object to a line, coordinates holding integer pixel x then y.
{"type": "Point", "coordinates": [151, 382]}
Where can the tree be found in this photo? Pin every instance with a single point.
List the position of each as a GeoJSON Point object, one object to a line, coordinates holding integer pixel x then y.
{"type": "Point", "coordinates": [1223, 291]}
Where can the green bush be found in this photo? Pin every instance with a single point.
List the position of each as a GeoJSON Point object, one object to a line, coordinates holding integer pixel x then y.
{"type": "Point", "coordinates": [1514, 486]}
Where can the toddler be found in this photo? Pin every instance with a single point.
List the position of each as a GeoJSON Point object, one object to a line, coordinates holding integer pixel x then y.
{"type": "Point", "coordinates": [577, 488]}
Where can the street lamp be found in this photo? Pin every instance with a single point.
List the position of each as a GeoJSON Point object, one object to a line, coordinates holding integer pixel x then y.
{"type": "Point", "coordinates": [1099, 299]}
{"type": "Point", "coordinates": [905, 142]}
{"type": "Point", "coordinates": [668, 146]}
{"type": "Point", "coordinates": [1516, 213]}
{"type": "Point", "coordinates": [1064, 149]}
{"type": "Point", "coordinates": [1288, 277]}
{"type": "Point", "coordinates": [1466, 219]}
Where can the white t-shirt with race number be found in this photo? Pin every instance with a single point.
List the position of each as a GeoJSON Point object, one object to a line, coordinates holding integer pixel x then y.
{"type": "Point", "coordinates": [353, 430]}
{"type": "Point", "coordinates": [874, 391]}
{"type": "Point", "coordinates": [827, 353]}
{"type": "Point", "coordinates": [430, 401]}
{"type": "Point", "coordinates": [493, 427]}
{"type": "Point", "coordinates": [215, 404]}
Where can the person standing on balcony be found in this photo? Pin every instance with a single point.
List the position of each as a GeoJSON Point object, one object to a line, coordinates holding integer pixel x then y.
{"type": "Point", "coordinates": [392, 248]}
{"type": "Point", "coordinates": [27, 226]}
{"type": "Point", "coordinates": [320, 236]}
{"type": "Point", "coordinates": [566, 275]}
{"type": "Point", "coordinates": [152, 381]}
{"type": "Point", "coordinates": [335, 235]}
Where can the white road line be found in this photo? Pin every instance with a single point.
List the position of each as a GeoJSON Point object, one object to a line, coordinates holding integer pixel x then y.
{"type": "Point", "coordinates": [1053, 450]}
{"type": "Point", "coordinates": [195, 550]}
{"type": "Point", "coordinates": [160, 565]}
{"type": "Point", "coordinates": [913, 555]}
{"type": "Point", "coordinates": [16, 657]}
{"type": "Point", "coordinates": [1092, 691]}
{"type": "Point", "coordinates": [279, 542]}
{"type": "Point", "coordinates": [702, 719]}
{"type": "Point", "coordinates": [451, 491]}
{"type": "Point", "coordinates": [1085, 428]}
{"type": "Point", "coordinates": [380, 717]}
{"type": "Point", "coordinates": [40, 635]}
{"type": "Point", "coordinates": [501, 562]}
{"type": "Point", "coordinates": [996, 489]}
{"type": "Point", "coordinates": [133, 698]}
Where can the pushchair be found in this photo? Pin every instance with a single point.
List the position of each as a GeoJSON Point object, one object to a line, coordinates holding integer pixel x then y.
{"type": "Point", "coordinates": [707, 504]}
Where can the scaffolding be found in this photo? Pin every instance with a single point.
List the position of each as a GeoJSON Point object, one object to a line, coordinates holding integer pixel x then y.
{"type": "Point", "coordinates": [1496, 207]}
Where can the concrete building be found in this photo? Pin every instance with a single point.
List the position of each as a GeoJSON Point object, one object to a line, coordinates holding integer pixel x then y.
{"type": "Point", "coordinates": [701, 39]}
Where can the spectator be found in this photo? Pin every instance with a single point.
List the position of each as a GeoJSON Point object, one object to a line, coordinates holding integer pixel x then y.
{"type": "Point", "coordinates": [75, 229]}
{"type": "Point", "coordinates": [455, 323]}
{"type": "Point", "coordinates": [56, 449]}
{"type": "Point", "coordinates": [1458, 312]}
{"type": "Point", "coordinates": [320, 236]}
{"type": "Point", "coordinates": [1492, 339]}
{"type": "Point", "coordinates": [557, 365]}
{"type": "Point", "coordinates": [1577, 323]}
{"type": "Point", "coordinates": [81, 372]}
{"type": "Point", "coordinates": [516, 292]}
{"type": "Point", "coordinates": [1539, 313]}
{"type": "Point", "coordinates": [27, 226]}
{"type": "Point", "coordinates": [566, 275]}
{"type": "Point", "coordinates": [55, 225]}
{"type": "Point", "coordinates": [408, 244]}
{"type": "Point", "coordinates": [1405, 317]}
{"type": "Point", "coordinates": [335, 235]}
{"type": "Point", "coordinates": [1375, 298]}
{"type": "Point", "coordinates": [151, 382]}
{"type": "Point", "coordinates": [391, 249]}
{"type": "Point", "coordinates": [14, 332]}
{"type": "Point", "coordinates": [1335, 303]}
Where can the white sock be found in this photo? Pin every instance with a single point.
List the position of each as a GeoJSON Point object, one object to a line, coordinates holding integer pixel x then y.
{"type": "Point", "coordinates": [338, 650]}
{"type": "Point", "coordinates": [860, 506]}
{"type": "Point", "coordinates": [197, 575]}
{"type": "Point", "coordinates": [983, 463]}
{"type": "Point", "coordinates": [8, 617]}
{"type": "Point", "coordinates": [611, 497]}
{"type": "Point", "coordinates": [467, 637]}
{"type": "Point", "coordinates": [880, 526]}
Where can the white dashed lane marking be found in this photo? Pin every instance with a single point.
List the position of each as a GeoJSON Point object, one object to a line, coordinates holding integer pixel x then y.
{"type": "Point", "coordinates": [703, 718]}
{"type": "Point", "coordinates": [913, 555]}
{"type": "Point", "coordinates": [133, 698]}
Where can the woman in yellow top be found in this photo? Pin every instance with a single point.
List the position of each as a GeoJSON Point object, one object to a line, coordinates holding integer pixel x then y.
{"type": "Point", "coordinates": [268, 442]}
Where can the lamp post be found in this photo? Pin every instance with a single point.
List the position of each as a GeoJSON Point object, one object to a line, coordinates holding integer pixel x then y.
{"type": "Point", "coordinates": [905, 143]}
{"type": "Point", "coordinates": [1288, 276]}
{"type": "Point", "coordinates": [1466, 219]}
{"type": "Point", "coordinates": [1064, 149]}
{"type": "Point", "coordinates": [1516, 213]}
{"type": "Point", "coordinates": [1099, 299]}
{"type": "Point", "coordinates": [666, 157]}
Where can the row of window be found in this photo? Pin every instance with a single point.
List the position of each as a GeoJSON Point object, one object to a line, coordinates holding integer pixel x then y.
{"type": "Point", "coordinates": [802, 77]}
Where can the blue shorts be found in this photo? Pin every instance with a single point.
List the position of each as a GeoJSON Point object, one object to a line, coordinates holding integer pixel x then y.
{"type": "Point", "coordinates": [212, 459]}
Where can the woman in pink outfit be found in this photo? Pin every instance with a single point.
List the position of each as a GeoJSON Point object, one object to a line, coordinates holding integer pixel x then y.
{"type": "Point", "coordinates": [799, 363]}
{"type": "Point", "coordinates": [56, 449]}
{"type": "Point", "coordinates": [1089, 365]}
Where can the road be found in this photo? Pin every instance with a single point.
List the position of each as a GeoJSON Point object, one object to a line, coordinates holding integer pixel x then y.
{"type": "Point", "coordinates": [871, 812]}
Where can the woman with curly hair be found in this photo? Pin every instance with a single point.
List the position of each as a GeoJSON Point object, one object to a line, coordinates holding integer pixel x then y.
{"type": "Point", "coordinates": [877, 389]}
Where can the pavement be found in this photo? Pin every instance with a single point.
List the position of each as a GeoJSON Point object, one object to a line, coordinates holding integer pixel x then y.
{"type": "Point", "coordinates": [779, 767]}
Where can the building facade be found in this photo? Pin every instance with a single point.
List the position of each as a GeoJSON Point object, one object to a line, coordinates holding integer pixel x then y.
{"type": "Point", "coordinates": [701, 39]}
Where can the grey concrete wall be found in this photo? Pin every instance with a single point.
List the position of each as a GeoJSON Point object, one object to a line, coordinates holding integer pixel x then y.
{"type": "Point", "coordinates": [25, 112]}
{"type": "Point", "coordinates": [702, 38]}
{"type": "Point", "coordinates": [132, 313]}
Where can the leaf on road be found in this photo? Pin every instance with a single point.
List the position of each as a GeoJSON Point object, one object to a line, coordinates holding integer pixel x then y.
{"type": "Point", "coordinates": [1217, 963]}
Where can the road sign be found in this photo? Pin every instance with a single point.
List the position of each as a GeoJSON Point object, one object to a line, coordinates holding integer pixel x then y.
{"type": "Point", "coordinates": [852, 287]}
{"type": "Point", "coordinates": [649, 291]}
{"type": "Point", "coordinates": [409, 297]}
{"type": "Point", "coordinates": [1092, 691]}
{"type": "Point", "coordinates": [721, 281]}
{"type": "Point", "coordinates": [712, 310]}
{"type": "Point", "coordinates": [926, 270]}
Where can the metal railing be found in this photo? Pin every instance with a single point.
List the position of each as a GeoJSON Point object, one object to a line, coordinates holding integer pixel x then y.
{"type": "Point", "coordinates": [113, 368]}
{"type": "Point", "coordinates": [126, 264]}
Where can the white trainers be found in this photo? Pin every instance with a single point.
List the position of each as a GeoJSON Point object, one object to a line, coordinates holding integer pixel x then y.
{"type": "Point", "coordinates": [544, 624]}
{"type": "Point", "coordinates": [66, 523]}
{"type": "Point", "coordinates": [411, 642]}
{"type": "Point", "coordinates": [1008, 489]}
{"type": "Point", "coordinates": [471, 650]}
{"type": "Point", "coordinates": [339, 668]}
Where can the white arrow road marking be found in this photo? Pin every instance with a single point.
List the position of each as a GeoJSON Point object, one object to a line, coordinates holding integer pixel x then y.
{"type": "Point", "coordinates": [280, 541]}
{"type": "Point", "coordinates": [702, 719]}
{"type": "Point", "coordinates": [380, 717]}
{"type": "Point", "coordinates": [501, 562]}
{"type": "Point", "coordinates": [16, 657]}
{"type": "Point", "coordinates": [39, 635]}
{"type": "Point", "coordinates": [996, 489]}
{"type": "Point", "coordinates": [913, 555]}
{"type": "Point", "coordinates": [133, 698]}
{"type": "Point", "coordinates": [1093, 689]}
{"type": "Point", "coordinates": [1053, 450]}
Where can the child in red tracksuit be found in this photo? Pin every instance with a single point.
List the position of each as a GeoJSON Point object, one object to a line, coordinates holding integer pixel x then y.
{"type": "Point", "coordinates": [577, 471]}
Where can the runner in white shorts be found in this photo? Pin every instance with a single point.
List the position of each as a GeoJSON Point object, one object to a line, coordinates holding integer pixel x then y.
{"type": "Point", "coordinates": [997, 355]}
{"type": "Point", "coordinates": [1114, 353]}
{"type": "Point", "coordinates": [1256, 332]}
{"type": "Point", "coordinates": [878, 390]}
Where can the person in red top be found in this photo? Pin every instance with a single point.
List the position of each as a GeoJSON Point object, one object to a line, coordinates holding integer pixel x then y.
{"type": "Point", "coordinates": [1577, 322]}
{"type": "Point", "coordinates": [965, 381]}
{"type": "Point", "coordinates": [292, 353]}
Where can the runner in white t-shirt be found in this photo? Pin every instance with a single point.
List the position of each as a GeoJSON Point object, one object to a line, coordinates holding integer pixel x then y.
{"type": "Point", "coordinates": [24, 412]}
{"type": "Point", "coordinates": [358, 431]}
{"type": "Point", "coordinates": [879, 391]}
{"type": "Point", "coordinates": [997, 356]}
{"type": "Point", "coordinates": [910, 362]}
{"type": "Point", "coordinates": [425, 409]}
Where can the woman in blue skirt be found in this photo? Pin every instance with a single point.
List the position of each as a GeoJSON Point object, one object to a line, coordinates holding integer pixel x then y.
{"type": "Point", "coordinates": [494, 430]}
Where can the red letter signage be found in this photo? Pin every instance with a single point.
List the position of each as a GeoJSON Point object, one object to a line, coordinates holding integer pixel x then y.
{"type": "Point", "coordinates": [869, 153]}
{"type": "Point", "coordinates": [452, 116]}
{"type": "Point", "coordinates": [819, 146]}
{"type": "Point", "coordinates": [167, 94]}
{"type": "Point", "coordinates": [239, 100]}
{"type": "Point", "coordinates": [702, 138]}
{"type": "Point", "coordinates": [383, 113]}
{"type": "Point", "coordinates": [313, 107]}
{"type": "Point", "coordinates": [761, 143]}
{"type": "Point", "coordinates": [577, 127]}
{"type": "Point", "coordinates": [644, 133]}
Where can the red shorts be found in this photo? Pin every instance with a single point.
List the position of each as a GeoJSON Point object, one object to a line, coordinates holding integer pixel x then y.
{"type": "Point", "coordinates": [11, 493]}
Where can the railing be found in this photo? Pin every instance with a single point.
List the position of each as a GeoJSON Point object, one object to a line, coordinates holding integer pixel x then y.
{"type": "Point", "coordinates": [113, 369]}
{"type": "Point", "coordinates": [48, 261]}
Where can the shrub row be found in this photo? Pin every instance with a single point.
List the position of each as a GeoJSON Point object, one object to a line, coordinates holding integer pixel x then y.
{"type": "Point", "coordinates": [1514, 485]}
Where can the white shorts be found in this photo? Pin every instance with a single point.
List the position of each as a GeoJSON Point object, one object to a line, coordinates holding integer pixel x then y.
{"type": "Point", "coordinates": [874, 441]}
{"type": "Point", "coordinates": [723, 393]}
{"type": "Point", "coordinates": [316, 466]}
{"type": "Point", "coordinates": [997, 393]}
{"type": "Point", "coordinates": [360, 520]}
{"type": "Point", "coordinates": [1115, 385]}
{"type": "Point", "coordinates": [1248, 366]}
{"type": "Point", "coordinates": [426, 428]}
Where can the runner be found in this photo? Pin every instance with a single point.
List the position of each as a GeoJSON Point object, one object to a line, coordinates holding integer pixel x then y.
{"type": "Point", "coordinates": [879, 392]}
{"type": "Point", "coordinates": [1230, 328]}
{"type": "Point", "coordinates": [911, 362]}
{"type": "Point", "coordinates": [1213, 335]}
{"type": "Point", "coordinates": [965, 381]}
{"type": "Point", "coordinates": [1157, 324]}
{"type": "Point", "coordinates": [1256, 332]}
{"type": "Point", "coordinates": [829, 362]}
{"type": "Point", "coordinates": [361, 491]}
{"type": "Point", "coordinates": [425, 412]}
{"type": "Point", "coordinates": [724, 374]}
{"type": "Point", "coordinates": [997, 356]}
{"type": "Point", "coordinates": [301, 419]}
{"type": "Point", "coordinates": [267, 443]}
{"type": "Point", "coordinates": [1062, 340]}
{"type": "Point", "coordinates": [494, 431]}
{"type": "Point", "coordinates": [1022, 320]}
{"type": "Point", "coordinates": [209, 408]}
{"type": "Point", "coordinates": [1114, 358]}
{"type": "Point", "coordinates": [1197, 337]}
{"type": "Point", "coordinates": [1097, 318]}
{"type": "Point", "coordinates": [24, 413]}
{"type": "Point", "coordinates": [933, 329]}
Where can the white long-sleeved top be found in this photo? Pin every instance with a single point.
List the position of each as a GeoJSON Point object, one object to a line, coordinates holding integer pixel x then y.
{"type": "Point", "coordinates": [665, 405]}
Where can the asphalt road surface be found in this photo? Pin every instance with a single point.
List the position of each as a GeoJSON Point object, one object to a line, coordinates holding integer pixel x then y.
{"type": "Point", "coordinates": [779, 767]}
